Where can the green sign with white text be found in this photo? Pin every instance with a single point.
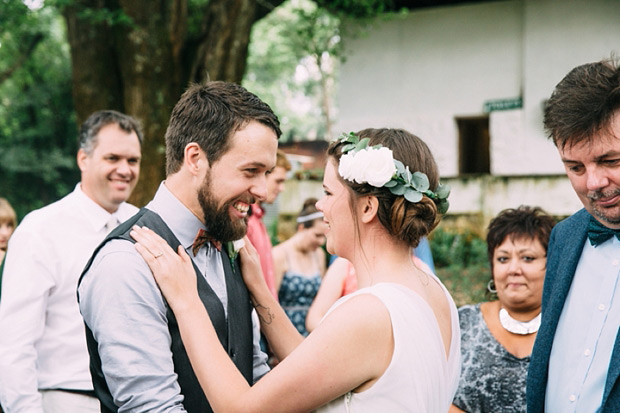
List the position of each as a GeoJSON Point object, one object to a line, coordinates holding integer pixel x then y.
{"type": "Point", "coordinates": [503, 104]}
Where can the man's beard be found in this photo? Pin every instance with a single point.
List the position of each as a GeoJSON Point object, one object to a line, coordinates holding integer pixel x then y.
{"type": "Point", "coordinates": [217, 219]}
{"type": "Point", "coordinates": [609, 215]}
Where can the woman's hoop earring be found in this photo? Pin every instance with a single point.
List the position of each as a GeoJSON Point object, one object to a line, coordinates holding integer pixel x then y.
{"type": "Point", "coordinates": [491, 287]}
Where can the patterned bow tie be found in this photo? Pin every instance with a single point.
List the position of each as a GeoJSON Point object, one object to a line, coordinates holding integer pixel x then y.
{"type": "Point", "coordinates": [599, 233]}
{"type": "Point", "coordinates": [202, 238]}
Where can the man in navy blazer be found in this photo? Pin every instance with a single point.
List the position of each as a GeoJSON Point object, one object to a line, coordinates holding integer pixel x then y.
{"type": "Point", "coordinates": [575, 363]}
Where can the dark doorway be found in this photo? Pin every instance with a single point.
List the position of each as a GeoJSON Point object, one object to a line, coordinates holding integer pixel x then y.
{"type": "Point", "coordinates": [474, 142]}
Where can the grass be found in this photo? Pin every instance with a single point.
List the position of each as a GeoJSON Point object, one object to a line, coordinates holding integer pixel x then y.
{"type": "Point", "coordinates": [467, 285]}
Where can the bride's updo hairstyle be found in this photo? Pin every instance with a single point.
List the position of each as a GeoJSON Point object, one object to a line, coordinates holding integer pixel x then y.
{"type": "Point", "coordinates": [407, 221]}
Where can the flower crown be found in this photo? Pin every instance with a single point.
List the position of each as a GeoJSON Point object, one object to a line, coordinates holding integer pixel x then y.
{"type": "Point", "coordinates": [376, 166]}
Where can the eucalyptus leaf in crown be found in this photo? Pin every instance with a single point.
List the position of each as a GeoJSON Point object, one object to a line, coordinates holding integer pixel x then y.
{"type": "Point", "coordinates": [376, 166]}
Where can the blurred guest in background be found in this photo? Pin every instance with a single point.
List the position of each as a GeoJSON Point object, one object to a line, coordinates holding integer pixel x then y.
{"type": "Point", "coordinates": [8, 222]}
{"type": "Point", "coordinates": [257, 232]}
{"type": "Point", "coordinates": [497, 336]}
{"type": "Point", "coordinates": [424, 253]}
{"type": "Point", "coordinates": [44, 362]}
{"type": "Point", "coordinates": [300, 264]}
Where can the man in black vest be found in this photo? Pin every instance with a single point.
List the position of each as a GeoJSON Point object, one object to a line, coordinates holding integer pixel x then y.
{"type": "Point", "coordinates": [220, 145]}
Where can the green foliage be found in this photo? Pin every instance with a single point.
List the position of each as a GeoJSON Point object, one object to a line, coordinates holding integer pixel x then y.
{"type": "Point", "coordinates": [461, 262]}
{"type": "Point", "coordinates": [293, 58]}
{"type": "Point", "coordinates": [106, 16]}
{"type": "Point", "coordinates": [467, 285]}
{"type": "Point", "coordinates": [100, 15]}
{"type": "Point", "coordinates": [458, 248]}
{"type": "Point", "coordinates": [37, 123]}
{"type": "Point", "coordinates": [357, 9]}
{"type": "Point", "coordinates": [195, 16]}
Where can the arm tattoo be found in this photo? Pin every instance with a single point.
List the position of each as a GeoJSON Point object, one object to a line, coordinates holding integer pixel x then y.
{"type": "Point", "coordinates": [266, 318]}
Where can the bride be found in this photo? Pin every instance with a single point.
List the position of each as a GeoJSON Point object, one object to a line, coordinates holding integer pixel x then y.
{"type": "Point", "coordinates": [393, 345]}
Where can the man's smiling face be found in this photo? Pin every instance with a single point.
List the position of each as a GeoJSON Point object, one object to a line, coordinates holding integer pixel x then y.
{"type": "Point", "coordinates": [237, 180]}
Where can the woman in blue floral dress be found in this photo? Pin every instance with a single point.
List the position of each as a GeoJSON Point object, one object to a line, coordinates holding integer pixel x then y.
{"type": "Point", "coordinates": [299, 264]}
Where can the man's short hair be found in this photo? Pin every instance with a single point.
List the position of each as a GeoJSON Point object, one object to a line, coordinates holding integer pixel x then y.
{"type": "Point", "coordinates": [209, 114]}
{"type": "Point", "coordinates": [96, 121]}
{"type": "Point", "coordinates": [583, 103]}
{"type": "Point", "coordinates": [282, 161]}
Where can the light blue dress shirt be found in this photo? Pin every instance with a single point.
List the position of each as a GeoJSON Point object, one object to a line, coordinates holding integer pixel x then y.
{"type": "Point", "coordinates": [586, 332]}
{"type": "Point", "coordinates": [120, 301]}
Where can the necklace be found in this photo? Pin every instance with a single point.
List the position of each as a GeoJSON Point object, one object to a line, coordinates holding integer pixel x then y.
{"type": "Point", "coordinates": [516, 326]}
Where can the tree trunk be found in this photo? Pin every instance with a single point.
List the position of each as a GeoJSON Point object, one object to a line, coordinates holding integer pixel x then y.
{"type": "Point", "coordinates": [136, 56]}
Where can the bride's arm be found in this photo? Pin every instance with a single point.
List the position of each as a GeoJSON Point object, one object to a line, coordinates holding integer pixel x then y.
{"type": "Point", "coordinates": [351, 347]}
{"type": "Point", "coordinates": [279, 331]}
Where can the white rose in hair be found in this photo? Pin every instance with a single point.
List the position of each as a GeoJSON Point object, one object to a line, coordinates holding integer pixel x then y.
{"type": "Point", "coordinates": [376, 167]}
{"type": "Point", "coordinates": [346, 168]}
{"type": "Point", "coordinates": [358, 172]}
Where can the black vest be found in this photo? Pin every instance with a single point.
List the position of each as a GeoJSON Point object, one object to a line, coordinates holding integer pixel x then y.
{"type": "Point", "coordinates": [235, 334]}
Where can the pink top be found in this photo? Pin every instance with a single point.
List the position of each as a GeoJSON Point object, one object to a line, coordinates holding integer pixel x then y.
{"type": "Point", "coordinates": [257, 233]}
{"type": "Point", "coordinates": [350, 281]}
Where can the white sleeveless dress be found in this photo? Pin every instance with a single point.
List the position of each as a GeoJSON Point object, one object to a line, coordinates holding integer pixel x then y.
{"type": "Point", "coordinates": [419, 378]}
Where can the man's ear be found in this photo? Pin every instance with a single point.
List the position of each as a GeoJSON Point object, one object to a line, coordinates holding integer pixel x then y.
{"type": "Point", "coordinates": [82, 159]}
{"type": "Point", "coordinates": [368, 208]}
{"type": "Point", "coordinates": [194, 158]}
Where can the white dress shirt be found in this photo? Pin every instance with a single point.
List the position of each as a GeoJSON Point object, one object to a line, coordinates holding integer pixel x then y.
{"type": "Point", "coordinates": [42, 341]}
{"type": "Point", "coordinates": [586, 332]}
{"type": "Point", "coordinates": [126, 312]}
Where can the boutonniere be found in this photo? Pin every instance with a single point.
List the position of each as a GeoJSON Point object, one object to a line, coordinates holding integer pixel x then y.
{"type": "Point", "coordinates": [232, 249]}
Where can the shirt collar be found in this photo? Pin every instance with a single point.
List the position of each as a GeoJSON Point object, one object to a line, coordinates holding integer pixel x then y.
{"type": "Point", "coordinates": [95, 213]}
{"type": "Point", "coordinates": [183, 223]}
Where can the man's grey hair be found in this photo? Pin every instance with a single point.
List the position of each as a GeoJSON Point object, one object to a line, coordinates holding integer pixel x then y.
{"type": "Point", "coordinates": [91, 127]}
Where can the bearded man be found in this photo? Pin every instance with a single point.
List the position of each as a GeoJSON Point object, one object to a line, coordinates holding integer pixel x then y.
{"type": "Point", "coordinates": [221, 143]}
{"type": "Point", "coordinates": [575, 364]}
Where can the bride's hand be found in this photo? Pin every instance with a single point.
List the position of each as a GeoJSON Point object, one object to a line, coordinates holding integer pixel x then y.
{"type": "Point", "coordinates": [174, 273]}
{"type": "Point", "coordinates": [250, 266]}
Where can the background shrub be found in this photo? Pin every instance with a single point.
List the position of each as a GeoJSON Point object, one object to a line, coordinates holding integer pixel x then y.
{"type": "Point", "coordinates": [461, 263]}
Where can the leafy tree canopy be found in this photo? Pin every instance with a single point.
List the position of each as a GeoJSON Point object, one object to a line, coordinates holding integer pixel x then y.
{"type": "Point", "coordinates": [37, 122]}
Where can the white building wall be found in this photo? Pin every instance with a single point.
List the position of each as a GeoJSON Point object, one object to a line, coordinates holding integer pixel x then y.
{"type": "Point", "coordinates": [559, 35]}
{"type": "Point", "coordinates": [421, 71]}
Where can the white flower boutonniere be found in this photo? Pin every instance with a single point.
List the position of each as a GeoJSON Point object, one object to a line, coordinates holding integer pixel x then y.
{"type": "Point", "coordinates": [232, 249]}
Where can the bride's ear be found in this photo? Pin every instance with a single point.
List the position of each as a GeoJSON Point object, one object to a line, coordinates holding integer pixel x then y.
{"type": "Point", "coordinates": [368, 208]}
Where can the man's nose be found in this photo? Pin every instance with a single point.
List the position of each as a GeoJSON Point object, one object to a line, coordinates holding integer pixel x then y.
{"type": "Point", "coordinates": [259, 188]}
{"type": "Point", "coordinates": [596, 178]}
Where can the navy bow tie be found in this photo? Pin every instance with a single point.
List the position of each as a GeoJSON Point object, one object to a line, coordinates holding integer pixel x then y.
{"type": "Point", "coordinates": [599, 233]}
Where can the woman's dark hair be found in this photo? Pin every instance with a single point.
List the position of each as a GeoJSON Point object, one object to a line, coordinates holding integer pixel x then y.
{"type": "Point", "coordinates": [406, 221]}
{"type": "Point", "coordinates": [307, 210]}
{"type": "Point", "coordinates": [525, 222]}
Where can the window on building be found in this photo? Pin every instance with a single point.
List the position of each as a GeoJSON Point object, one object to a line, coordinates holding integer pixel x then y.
{"type": "Point", "coordinates": [474, 142]}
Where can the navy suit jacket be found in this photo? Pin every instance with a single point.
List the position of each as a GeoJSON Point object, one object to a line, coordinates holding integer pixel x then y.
{"type": "Point", "coordinates": [565, 247]}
